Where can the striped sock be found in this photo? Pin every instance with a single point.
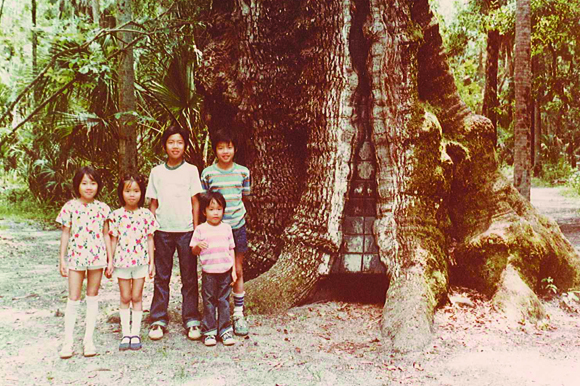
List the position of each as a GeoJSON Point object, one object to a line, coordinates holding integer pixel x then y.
{"type": "Point", "coordinates": [239, 304]}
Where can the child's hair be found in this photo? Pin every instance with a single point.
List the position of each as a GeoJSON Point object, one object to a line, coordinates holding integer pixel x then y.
{"type": "Point", "coordinates": [174, 130]}
{"type": "Point", "coordinates": [223, 135]}
{"type": "Point", "coordinates": [93, 175]}
{"type": "Point", "coordinates": [129, 177]}
{"type": "Point", "coordinates": [206, 198]}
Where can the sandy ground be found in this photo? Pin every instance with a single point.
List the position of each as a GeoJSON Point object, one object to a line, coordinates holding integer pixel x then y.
{"type": "Point", "coordinates": [330, 342]}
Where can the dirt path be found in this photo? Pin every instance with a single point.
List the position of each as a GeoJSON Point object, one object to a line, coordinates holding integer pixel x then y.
{"type": "Point", "coordinates": [327, 343]}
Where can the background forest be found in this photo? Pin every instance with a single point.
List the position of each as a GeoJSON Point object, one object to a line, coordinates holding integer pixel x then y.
{"type": "Point", "coordinates": [61, 86]}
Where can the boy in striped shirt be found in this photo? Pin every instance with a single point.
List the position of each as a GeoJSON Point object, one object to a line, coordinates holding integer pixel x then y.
{"type": "Point", "coordinates": [233, 182]}
{"type": "Point", "coordinates": [214, 242]}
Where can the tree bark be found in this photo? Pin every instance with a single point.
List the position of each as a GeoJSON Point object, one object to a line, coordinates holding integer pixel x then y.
{"type": "Point", "coordinates": [523, 76]}
{"type": "Point", "coordinates": [490, 102]}
{"type": "Point", "coordinates": [127, 104]}
{"type": "Point", "coordinates": [301, 81]}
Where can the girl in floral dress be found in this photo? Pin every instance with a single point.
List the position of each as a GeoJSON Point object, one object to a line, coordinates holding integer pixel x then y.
{"type": "Point", "coordinates": [84, 251]}
{"type": "Point", "coordinates": [131, 231]}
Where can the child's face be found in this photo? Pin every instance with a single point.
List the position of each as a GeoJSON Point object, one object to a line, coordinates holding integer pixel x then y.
{"type": "Point", "coordinates": [225, 152]}
{"type": "Point", "coordinates": [131, 194]}
{"type": "Point", "coordinates": [88, 188]}
{"type": "Point", "coordinates": [175, 147]}
{"type": "Point", "coordinates": [214, 212]}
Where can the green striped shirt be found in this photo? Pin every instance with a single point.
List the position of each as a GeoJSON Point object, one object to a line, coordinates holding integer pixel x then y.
{"type": "Point", "coordinates": [232, 184]}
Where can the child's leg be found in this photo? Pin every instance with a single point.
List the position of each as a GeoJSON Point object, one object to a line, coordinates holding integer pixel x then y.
{"type": "Point", "coordinates": [189, 283]}
{"type": "Point", "coordinates": [239, 286]}
{"type": "Point", "coordinates": [208, 294]}
{"type": "Point", "coordinates": [75, 283]}
{"type": "Point", "coordinates": [125, 300]}
{"type": "Point", "coordinates": [137, 300]}
{"type": "Point", "coordinates": [223, 290]}
{"type": "Point", "coordinates": [93, 282]}
{"type": "Point", "coordinates": [164, 249]}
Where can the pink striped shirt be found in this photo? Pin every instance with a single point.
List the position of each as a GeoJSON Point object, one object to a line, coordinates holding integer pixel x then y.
{"type": "Point", "coordinates": [218, 256]}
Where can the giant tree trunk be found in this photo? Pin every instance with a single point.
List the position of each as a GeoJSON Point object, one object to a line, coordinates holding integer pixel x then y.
{"type": "Point", "coordinates": [302, 81]}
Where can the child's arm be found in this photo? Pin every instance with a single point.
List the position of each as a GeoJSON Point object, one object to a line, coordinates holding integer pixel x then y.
{"type": "Point", "coordinates": [234, 274]}
{"type": "Point", "coordinates": [153, 205]}
{"type": "Point", "coordinates": [110, 250]}
{"type": "Point", "coordinates": [195, 210]}
{"type": "Point", "coordinates": [151, 246]}
{"type": "Point", "coordinates": [64, 238]}
{"type": "Point", "coordinates": [197, 248]}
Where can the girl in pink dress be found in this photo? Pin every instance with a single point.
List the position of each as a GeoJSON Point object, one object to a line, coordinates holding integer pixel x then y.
{"type": "Point", "coordinates": [84, 251]}
{"type": "Point", "coordinates": [131, 231]}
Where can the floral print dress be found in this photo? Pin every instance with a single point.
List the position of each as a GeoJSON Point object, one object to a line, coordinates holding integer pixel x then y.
{"type": "Point", "coordinates": [132, 229]}
{"type": "Point", "coordinates": [86, 245]}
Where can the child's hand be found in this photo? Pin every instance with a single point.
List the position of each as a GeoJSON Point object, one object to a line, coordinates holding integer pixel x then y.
{"type": "Point", "coordinates": [151, 271]}
{"type": "Point", "coordinates": [62, 268]}
{"type": "Point", "coordinates": [203, 245]}
{"type": "Point", "coordinates": [109, 270]}
{"type": "Point", "coordinates": [234, 276]}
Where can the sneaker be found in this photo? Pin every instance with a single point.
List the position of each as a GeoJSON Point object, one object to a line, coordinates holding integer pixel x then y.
{"type": "Point", "coordinates": [125, 343]}
{"type": "Point", "coordinates": [228, 339]}
{"type": "Point", "coordinates": [194, 333]}
{"type": "Point", "coordinates": [156, 332]}
{"type": "Point", "coordinates": [135, 343]}
{"type": "Point", "coordinates": [209, 340]}
{"type": "Point", "coordinates": [89, 349]}
{"type": "Point", "coordinates": [66, 351]}
{"type": "Point", "coordinates": [240, 326]}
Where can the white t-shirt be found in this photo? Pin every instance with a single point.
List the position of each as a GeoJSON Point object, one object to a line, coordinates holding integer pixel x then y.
{"type": "Point", "coordinates": [173, 189]}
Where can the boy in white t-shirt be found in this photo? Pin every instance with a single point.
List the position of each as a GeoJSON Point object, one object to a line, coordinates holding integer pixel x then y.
{"type": "Point", "coordinates": [173, 189]}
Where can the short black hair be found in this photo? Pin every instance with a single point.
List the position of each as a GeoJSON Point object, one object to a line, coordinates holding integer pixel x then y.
{"type": "Point", "coordinates": [93, 175]}
{"type": "Point", "coordinates": [174, 130]}
{"type": "Point", "coordinates": [223, 135]}
{"type": "Point", "coordinates": [129, 177]}
{"type": "Point", "coordinates": [205, 200]}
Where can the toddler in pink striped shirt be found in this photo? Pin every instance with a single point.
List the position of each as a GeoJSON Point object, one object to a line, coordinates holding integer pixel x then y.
{"type": "Point", "coordinates": [214, 242]}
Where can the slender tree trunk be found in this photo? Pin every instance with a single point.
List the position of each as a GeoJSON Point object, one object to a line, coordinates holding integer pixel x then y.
{"type": "Point", "coordinates": [34, 37]}
{"type": "Point", "coordinates": [127, 103]}
{"type": "Point", "coordinates": [96, 8]}
{"type": "Point", "coordinates": [523, 129]}
{"type": "Point", "coordinates": [490, 102]}
{"type": "Point", "coordinates": [302, 81]}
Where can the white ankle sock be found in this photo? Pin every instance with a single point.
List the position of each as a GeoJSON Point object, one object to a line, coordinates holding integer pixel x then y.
{"type": "Point", "coordinates": [91, 318]}
{"type": "Point", "coordinates": [136, 323]}
{"type": "Point", "coordinates": [125, 314]}
{"type": "Point", "coordinates": [70, 318]}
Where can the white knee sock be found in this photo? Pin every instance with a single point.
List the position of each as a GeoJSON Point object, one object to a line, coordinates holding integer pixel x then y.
{"type": "Point", "coordinates": [125, 321]}
{"type": "Point", "coordinates": [70, 318]}
{"type": "Point", "coordinates": [136, 323]}
{"type": "Point", "coordinates": [91, 319]}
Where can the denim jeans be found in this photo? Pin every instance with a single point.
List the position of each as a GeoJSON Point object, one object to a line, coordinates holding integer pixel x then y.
{"type": "Point", "coordinates": [215, 292]}
{"type": "Point", "coordinates": [165, 245]}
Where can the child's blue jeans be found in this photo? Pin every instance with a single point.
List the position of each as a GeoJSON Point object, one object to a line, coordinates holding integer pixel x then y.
{"type": "Point", "coordinates": [165, 245]}
{"type": "Point", "coordinates": [215, 292]}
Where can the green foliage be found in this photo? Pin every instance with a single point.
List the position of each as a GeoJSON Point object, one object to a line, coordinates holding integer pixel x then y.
{"type": "Point", "coordinates": [78, 121]}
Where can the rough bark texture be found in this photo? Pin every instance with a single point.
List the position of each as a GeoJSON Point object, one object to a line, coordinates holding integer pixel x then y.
{"type": "Point", "coordinates": [127, 103]}
{"type": "Point", "coordinates": [302, 81]}
{"type": "Point", "coordinates": [523, 76]}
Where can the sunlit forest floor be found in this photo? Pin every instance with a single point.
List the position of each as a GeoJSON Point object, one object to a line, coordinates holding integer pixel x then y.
{"type": "Point", "coordinates": [330, 342]}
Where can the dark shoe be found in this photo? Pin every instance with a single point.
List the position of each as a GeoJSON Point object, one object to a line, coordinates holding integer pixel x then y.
{"type": "Point", "coordinates": [209, 340]}
{"type": "Point", "coordinates": [240, 326]}
{"type": "Point", "coordinates": [156, 332]}
{"type": "Point", "coordinates": [194, 333]}
{"type": "Point", "coordinates": [228, 339]}
{"type": "Point", "coordinates": [125, 343]}
{"type": "Point", "coordinates": [135, 343]}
